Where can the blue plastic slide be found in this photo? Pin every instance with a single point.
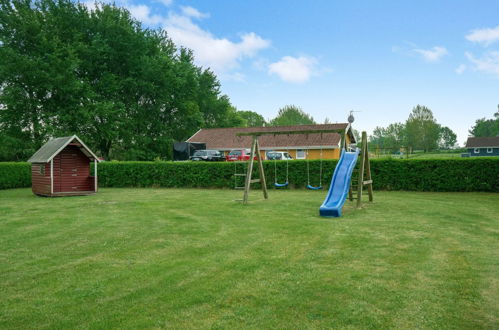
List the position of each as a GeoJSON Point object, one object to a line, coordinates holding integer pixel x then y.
{"type": "Point", "coordinates": [338, 190]}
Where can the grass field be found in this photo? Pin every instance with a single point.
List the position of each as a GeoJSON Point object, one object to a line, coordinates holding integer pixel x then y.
{"type": "Point", "coordinates": [179, 258]}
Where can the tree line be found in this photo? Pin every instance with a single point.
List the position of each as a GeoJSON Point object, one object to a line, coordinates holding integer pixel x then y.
{"type": "Point", "coordinates": [419, 132]}
{"type": "Point", "coordinates": [127, 91]}
{"type": "Point", "coordinates": [486, 127]}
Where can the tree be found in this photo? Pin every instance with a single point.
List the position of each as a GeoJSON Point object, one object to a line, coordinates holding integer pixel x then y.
{"type": "Point", "coordinates": [252, 118]}
{"type": "Point", "coordinates": [128, 92]}
{"type": "Point", "coordinates": [391, 138]}
{"type": "Point", "coordinates": [448, 138]}
{"type": "Point", "coordinates": [486, 127]}
{"type": "Point", "coordinates": [291, 115]}
{"type": "Point", "coordinates": [422, 130]}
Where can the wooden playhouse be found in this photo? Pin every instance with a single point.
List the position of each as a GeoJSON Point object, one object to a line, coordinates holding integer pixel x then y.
{"type": "Point", "coordinates": [61, 167]}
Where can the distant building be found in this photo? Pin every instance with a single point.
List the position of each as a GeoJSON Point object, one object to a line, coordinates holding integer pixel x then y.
{"type": "Point", "coordinates": [483, 146]}
{"type": "Point", "coordinates": [299, 146]}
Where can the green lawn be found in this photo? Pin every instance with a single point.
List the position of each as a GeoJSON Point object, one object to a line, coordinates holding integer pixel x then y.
{"type": "Point", "coordinates": [186, 258]}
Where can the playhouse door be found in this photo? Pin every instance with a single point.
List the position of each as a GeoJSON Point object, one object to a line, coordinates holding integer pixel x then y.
{"type": "Point", "coordinates": [57, 174]}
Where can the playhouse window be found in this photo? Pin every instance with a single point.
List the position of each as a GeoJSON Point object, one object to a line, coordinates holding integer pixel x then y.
{"type": "Point", "coordinates": [489, 150]}
{"type": "Point", "coordinates": [301, 154]}
{"type": "Point", "coordinates": [476, 150]}
{"type": "Point", "coordinates": [41, 169]}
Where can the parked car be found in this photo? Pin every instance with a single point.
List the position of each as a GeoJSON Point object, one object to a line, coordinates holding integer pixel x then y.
{"type": "Point", "coordinates": [278, 155]}
{"type": "Point", "coordinates": [207, 155]}
{"type": "Point", "coordinates": [239, 155]}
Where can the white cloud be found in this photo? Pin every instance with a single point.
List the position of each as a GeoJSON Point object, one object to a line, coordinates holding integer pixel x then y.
{"type": "Point", "coordinates": [484, 36]}
{"type": "Point", "coordinates": [488, 63]}
{"type": "Point", "coordinates": [166, 3]}
{"type": "Point", "coordinates": [460, 69]}
{"type": "Point", "coordinates": [220, 54]}
{"type": "Point", "coordinates": [193, 12]}
{"type": "Point", "coordinates": [91, 5]}
{"type": "Point", "coordinates": [433, 54]}
{"type": "Point", "coordinates": [236, 76]}
{"type": "Point", "coordinates": [294, 69]}
{"type": "Point", "coordinates": [143, 14]}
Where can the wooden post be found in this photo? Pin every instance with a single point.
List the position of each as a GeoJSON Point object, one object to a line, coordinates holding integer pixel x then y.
{"type": "Point", "coordinates": [52, 176]}
{"type": "Point", "coordinates": [368, 172]}
{"type": "Point", "coordinates": [361, 169]}
{"type": "Point", "coordinates": [247, 182]}
{"type": "Point", "coordinates": [95, 175]}
{"type": "Point", "coordinates": [343, 141]}
{"type": "Point", "coordinates": [263, 181]}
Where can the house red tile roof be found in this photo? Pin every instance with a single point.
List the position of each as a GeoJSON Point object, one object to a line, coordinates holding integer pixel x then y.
{"type": "Point", "coordinates": [225, 138]}
{"type": "Point", "coordinates": [483, 142]}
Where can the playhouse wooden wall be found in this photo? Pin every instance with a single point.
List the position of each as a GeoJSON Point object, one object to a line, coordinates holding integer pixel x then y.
{"type": "Point", "coordinates": [40, 178]}
{"type": "Point", "coordinates": [71, 174]}
{"type": "Point", "coordinates": [72, 171]}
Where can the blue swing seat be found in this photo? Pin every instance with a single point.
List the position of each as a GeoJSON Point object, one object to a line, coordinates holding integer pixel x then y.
{"type": "Point", "coordinates": [281, 185]}
{"type": "Point", "coordinates": [313, 188]}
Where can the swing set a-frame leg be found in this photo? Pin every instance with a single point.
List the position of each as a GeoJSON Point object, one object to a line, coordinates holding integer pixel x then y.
{"type": "Point", "coordinates": [255, 150]}
{"type": "Point", "coordinates": [364, 173]}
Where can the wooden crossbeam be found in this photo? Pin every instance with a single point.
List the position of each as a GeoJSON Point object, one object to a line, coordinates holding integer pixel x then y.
{"type": "Point", "coordinates": [308, 131]}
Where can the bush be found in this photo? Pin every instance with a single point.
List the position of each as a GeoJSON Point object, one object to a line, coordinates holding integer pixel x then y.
{"type": "Point", "coordinates": [470, 174]}
{"type": "Point", "coordinates": [15, 175]}
{"type": "Point", "coordinates": [206, 174]}
{"type": "Point", "coordinates": [454, 174]}
{"type": "Point", "coordinates": [459, 174]}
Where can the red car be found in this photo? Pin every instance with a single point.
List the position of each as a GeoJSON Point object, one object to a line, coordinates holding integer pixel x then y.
{"type": "Point", "coordinates": [238, 155]}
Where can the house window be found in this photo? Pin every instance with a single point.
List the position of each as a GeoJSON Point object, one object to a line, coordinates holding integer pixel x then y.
{"type": "Point", "coordinates": [301, 154]}
{"type": "Point", "coordinates": [489, 150]}
{"type": "Point", "coordinates": [476, 150]}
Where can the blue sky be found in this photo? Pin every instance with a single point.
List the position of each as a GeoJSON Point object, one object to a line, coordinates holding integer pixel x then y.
{"type": "Point", "coordinates": [328, 57]}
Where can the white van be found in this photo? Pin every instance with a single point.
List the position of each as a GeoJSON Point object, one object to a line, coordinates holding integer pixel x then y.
{"type": "Point", "coordinates": [278, 155]}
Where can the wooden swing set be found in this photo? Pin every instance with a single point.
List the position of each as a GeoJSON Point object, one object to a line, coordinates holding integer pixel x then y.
{"type": "Point", "coordinates": [355, 190]}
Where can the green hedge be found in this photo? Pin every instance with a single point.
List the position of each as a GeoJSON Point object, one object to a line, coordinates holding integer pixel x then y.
{"type": "Point", "coordinates": [15, 175]}
{"type": "Point", "coordinates": [467, 174]}
{"type": "Point", "coordinates": [460, 174]}
{"type": "Point", "coordinates": [205, 174]}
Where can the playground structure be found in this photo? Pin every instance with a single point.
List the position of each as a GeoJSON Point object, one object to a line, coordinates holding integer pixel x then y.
{"type": "Point", "coordinates": [341, 185]}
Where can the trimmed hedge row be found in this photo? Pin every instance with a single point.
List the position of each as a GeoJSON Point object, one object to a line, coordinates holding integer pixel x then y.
{"type": "Point", "coordinates": [206, 174]}
{"type": "Point", "coordinates": [460, 174]}
{"type": "Point", "coordinates": [467, 174]}
{"type": "Point", "coordinates": [15, 175]}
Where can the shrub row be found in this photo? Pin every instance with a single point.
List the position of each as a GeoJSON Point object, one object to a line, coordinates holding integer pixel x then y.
{"type": "Point", "coordinates": [15, 175]}
{"type": "Point", "coordinates": [476, 174]}
{"type": "Point", "coordinates": [467, 174]}
{"type": "Point", "coordinates": [207, 174]}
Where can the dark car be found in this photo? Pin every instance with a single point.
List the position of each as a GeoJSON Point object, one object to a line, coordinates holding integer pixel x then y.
{"type": "Point", "coordinates": [207, 155]}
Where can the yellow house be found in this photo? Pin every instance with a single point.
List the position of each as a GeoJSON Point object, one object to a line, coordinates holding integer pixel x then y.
{"type": "Point", "coordinates": [299, 146]}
